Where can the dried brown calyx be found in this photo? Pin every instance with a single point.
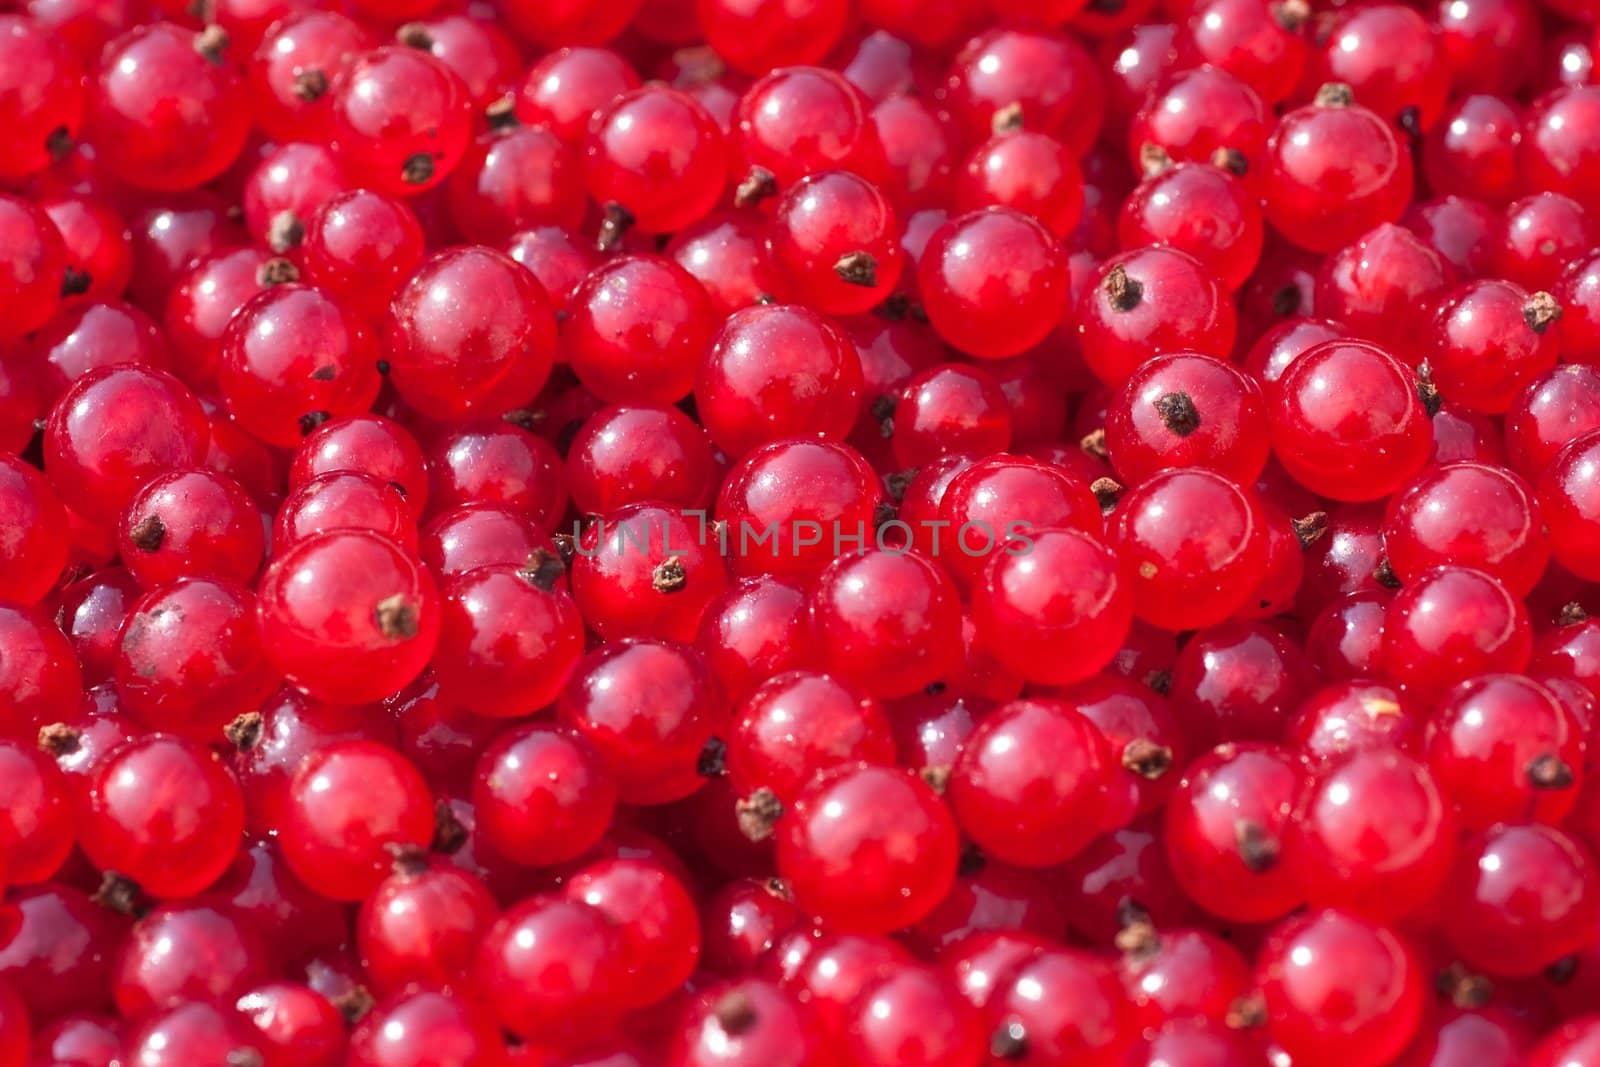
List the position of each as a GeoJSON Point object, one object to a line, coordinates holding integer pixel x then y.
{"type": "Point", "coordinates": [758, 814]}
{"type": "Point", "coordinates": [617, 221]}
{"type": "Point", "coordinates": [758, 185]}
{"type": "Point", "coordinates": [1178, 413]}
{"type": "Point", "coordinates": [857, 268]}
{"type": "Point", "coordinates": [396, 617]}
{"type": "Point", "coordinates": [1122, 291]}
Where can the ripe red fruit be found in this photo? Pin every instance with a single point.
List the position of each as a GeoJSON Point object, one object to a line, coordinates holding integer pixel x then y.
{"type": "Point", "coordinates": [509, 636]}
{"type": "Point", "coordinates": [1193, 543]}
{"type": "Point", "coordinates": [1225, 826]}
{"type": "Point", "coordinates": [471, 332]}
{"type": "Point", "coordinates": [349, 807]}
{"type": "Point", "coordinates": [1334, 171]}
{"type": "Point", "coordinates": [348, 616]}
{"type": "Point", "coordinates": [1348, 422]}
{"type": "Point", "coordinates": [180, 129]}
{"type": "Point", "coordinates": [1152, 301]}
{"type": "Point", "coordinates": [165, 813]}
{"type": "Point", "coordinates": [1031, 786]}
{"type": "Point", "coordinates": [1339, 989]}
{"type": "Point", "coordinates": [541, 795]}
{"type": "Point", "coordinates": [867, 849]}
{"type": "Point", "coordinates": [993, 282]}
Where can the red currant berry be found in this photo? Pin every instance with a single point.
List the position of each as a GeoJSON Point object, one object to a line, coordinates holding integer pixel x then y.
{"type": "Point", "coordinates": [164, 812]}
{"type": "Point", "coordinates": [655, 159]}
{"type": "Point", "coordinates": [867, 849]}
{"type": "Point", "coordinates": [1338, 989]}
{"type": "Point", "coordinates": [176, 130]}
{"type": "Point", "coordinates": [553, 969]}
{"type": "Point", "coordinates": [1450, 624]}
{"type": "Point", "coordinates": [993, 282]}
{"type": "Point", "coordinates": [648, 707]}
{"type": "Point", "coordinates": [888, 621]}
{"type": "Point", "coordinates": [541, 795]}
{"type": "Point", "coordinates": [350, 806]}
{"type": "Point", "coordinates": [1193, 542]}
{"type": "Point", "coordinates": [1225, 826]}
{"type": "Point", "coordinates": [1334, 171]}
{"type": "Point", "coordinates": [639, 326]}
{"type": "Point", "coordinates": [348, 616]}
{"type": "Point", "coordinates": [1522, 897]}
{"type": "Point", "coordinates": [470, 332]}
{"type": "Point", "coordinates": [1348, 421]}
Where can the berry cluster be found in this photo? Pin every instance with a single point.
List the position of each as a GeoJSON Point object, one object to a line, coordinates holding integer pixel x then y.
{"type": "Point", "coordinates": [792, 533]}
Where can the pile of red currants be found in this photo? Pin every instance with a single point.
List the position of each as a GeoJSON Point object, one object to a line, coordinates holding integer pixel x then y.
{"type": "Point", "coordinates": [799, 533]}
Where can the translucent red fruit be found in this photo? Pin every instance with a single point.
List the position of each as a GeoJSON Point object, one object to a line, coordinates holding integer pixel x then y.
{"type": "Point", "coordinates": [1348, 422]}
{"type": "Point", "coordinates": [626, 455]}
{"type": "Point", "coordinates": [1225, 826]}
{"type": "Point", "coordinates": [1471, 514]}
{"type": "Point", "coordinates": [656, 916]}
{"type": "Point", "coordinates": [1194, 544]}
{"type": "Point", "coordinates": [165, 813]}
{"type": "Point", "coordinates": [394, 1032]}
{"type": "Point", "coordinates": [1490, 339]}
{"type": "Point", "coordinates": [756, 37]}
{"type": "Point", "coordinates": [114, 429]}
{"type": "Point", "coordinates": [176, 130]}
{"type": "Point", "coordinates": [37, 827]}
{"type": "Point", "coordinates": [32, 267]}
{"type": "Point", "coordinates": [553, 969]}
{"type": "Point", "coordinates": [33, 532]}
{"type": "Point", "coordinates": [541, 795]}
{"type": "Point", "coordinates": [422, 924]}
{"type": "Point", "coordinates": [993, 282]}
{"type": "Point", "coordinates": [1339, 989]}
{"type": "Point", "coordinates": [835, 241]}
{"type": "Point", "coordinates": [648, 707]}
{"type": "Point", "coordinates": [1334, 171]}
{"type": "Point", "coordinates": [1152, 300]}
{"type": "Point", "coordinates": [186, 951]}
{"type": "Point", "coordinates": [1199, 209]}
{"type": "Point", "coordinates": [1504, 747]}
{"type": "Point", "coordinates": [1522, 897]}
{"type": "Point", "coordinates": [344, 500]}
{"type": "Point", "coordinates": [1569, 500]}
{"type": "Point", "coordinates": [1053, 607]}
{"type": "Point", "coordinates": [293, 357]}
{"type": "Point", "coordinates": [1383, 287]}
{"type": "Point", "coordinates": [349, 806]}
{"type": "Point", "coordinates": [638, 327]}
{"type": "Point", "coordinates": [868, 849]}
{"type": "Point", "coordinates": [348, 616]}
{"type": "Point", "coordinates": [1049, 75]}
{"type": "Point", "coordinates": [360, 246]}
{"type": "Point", "coordinates": [40, 680]}
{"type": "Point", "coordinates": [1450, 624]}
{"type": "Point", "coordinates": [1032, 784]}
{"type": "Point", "coordinates": [471, 332]}
{"type": "Point", "coordinates": [192, 523]}
{"type": "Point", "coordinates": [189, 658]}
{"type": "Point", "coordinates": [400, 120]}
{"type": "Point", "coordinates": [1373, 834]}
{"type": "Point", "coordinates": [802, 120]}
{"type": "Point", "coordinates": [39, 125]}
{"type": "Point", "coordinates": [647, 571]}
{"type": "Point", "coordinates": [508, 637]}
{"type": "Point", "coordinates": [799, 723]}
{"type": "Point", "coordinates": [888, 621]}
{"type": "Point", "coordinates": [1187, 410]}
{"type": "Point", "coordinates": [655, 158]}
